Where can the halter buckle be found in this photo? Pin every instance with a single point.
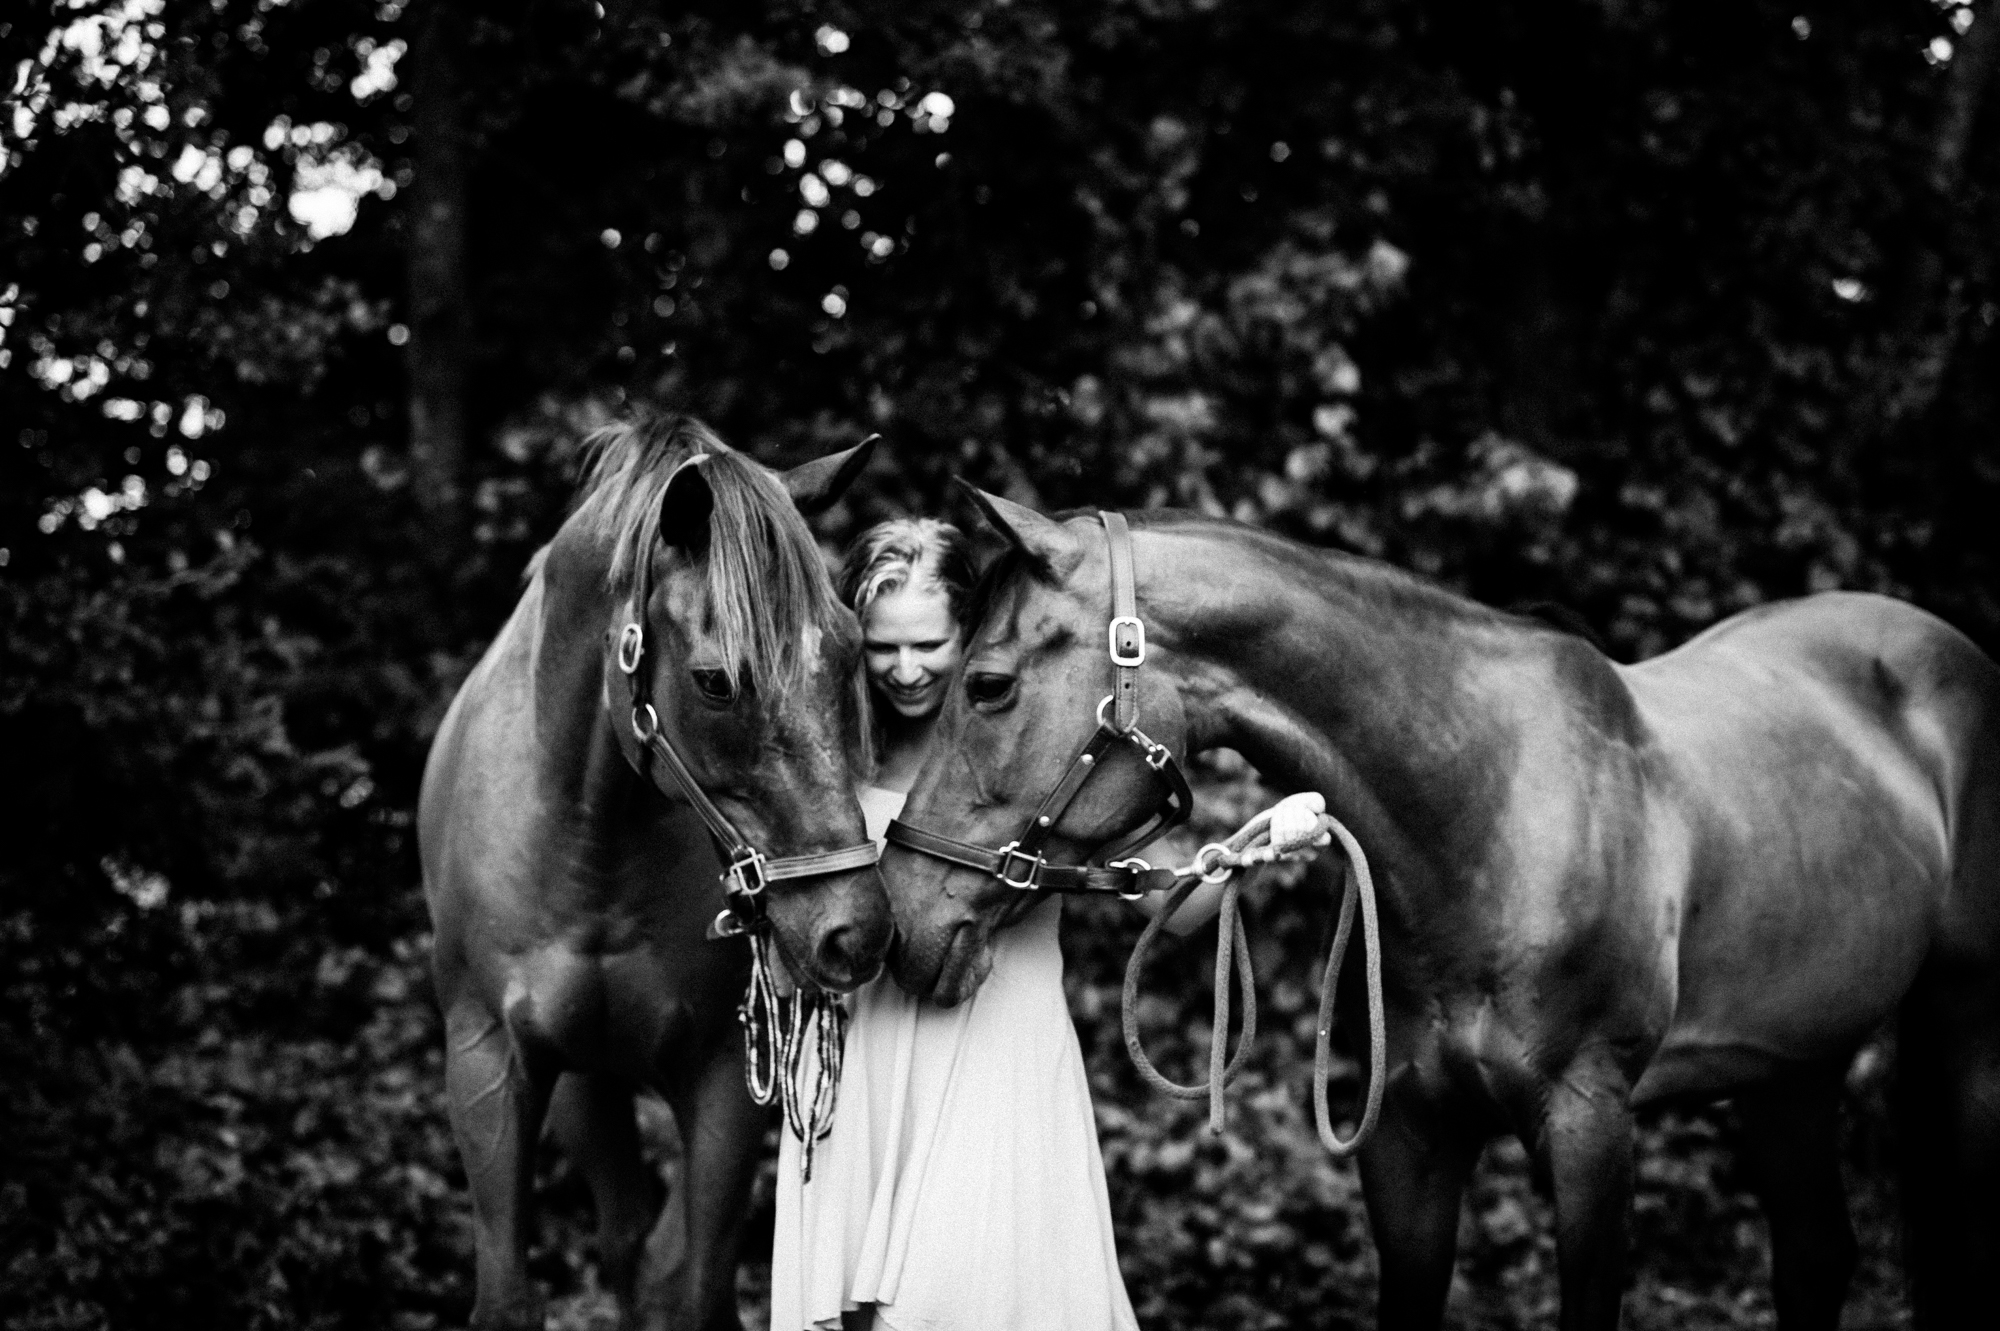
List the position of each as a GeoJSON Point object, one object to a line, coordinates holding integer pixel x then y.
{"type": "Point", "coordinates": [631, 647]}
{"type": "Point", "coordinates": [1133, 654]}
{"type": "Point", "coordinates": [1012, 852]}
{"type": "Point", "coordinates": [1135, 866]}
{"type": "Point", "coordinates": [745, 875]}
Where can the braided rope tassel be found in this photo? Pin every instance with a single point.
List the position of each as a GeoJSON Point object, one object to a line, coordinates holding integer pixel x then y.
{"type": "Point", "coordinates": [831, 1019]}
{"type": "Point", "coordinates": [763, 1045]}
{"type": "Point", "coordinates": [810, 1118]}
{"type": "Point", "coordinates": [777, 1033]}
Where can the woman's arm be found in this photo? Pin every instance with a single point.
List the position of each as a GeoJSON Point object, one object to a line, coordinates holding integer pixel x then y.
{"type": "Point", "coordinates": [1201, 906]}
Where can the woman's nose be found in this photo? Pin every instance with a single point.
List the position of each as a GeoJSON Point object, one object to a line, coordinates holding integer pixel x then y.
{"type": "Point", "coordinates": [907, 670]}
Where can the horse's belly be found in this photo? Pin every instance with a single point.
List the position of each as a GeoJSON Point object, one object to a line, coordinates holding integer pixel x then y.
{"type": "Point", "coordinates": [1792, 970]}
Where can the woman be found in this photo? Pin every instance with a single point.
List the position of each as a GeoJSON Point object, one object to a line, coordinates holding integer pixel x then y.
{"type": "Point", "coordinates": [961, 1187]}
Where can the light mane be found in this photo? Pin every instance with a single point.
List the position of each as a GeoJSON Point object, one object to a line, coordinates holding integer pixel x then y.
{"type": "Point", "coordinates": [768, 597]}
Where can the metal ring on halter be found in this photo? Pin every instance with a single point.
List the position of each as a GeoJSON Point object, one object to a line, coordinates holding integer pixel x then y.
{"type": "Point", "coordinates": [1108, 699]}
{"type": "Point", "coordinates": [1221, 872]}
{"type": "Point", "coordinates": [1137, 866]}
{"type": "Point", "coordinates": [631, 647]}
{"type": "Point", "coordinates": [644, 733]}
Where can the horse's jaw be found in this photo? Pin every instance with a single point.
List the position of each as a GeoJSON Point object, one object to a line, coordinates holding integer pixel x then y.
{"type": "Point", "coordinates": [945, 964]}
{"type": "Point", "coordinates": [968, 960]}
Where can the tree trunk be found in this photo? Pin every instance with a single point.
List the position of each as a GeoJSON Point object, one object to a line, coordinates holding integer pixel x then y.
{"type": "Point", "coordinates": [440, 325]}
{"type": "Point", "coordinates": [1921, 334]}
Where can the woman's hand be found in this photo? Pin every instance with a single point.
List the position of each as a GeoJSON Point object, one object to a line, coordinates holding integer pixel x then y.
{"type": "Point", "coordinates": [1294, 832]}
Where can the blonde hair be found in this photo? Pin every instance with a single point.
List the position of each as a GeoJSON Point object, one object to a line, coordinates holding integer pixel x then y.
{"type": "Point", "coordinates": [905, 552]}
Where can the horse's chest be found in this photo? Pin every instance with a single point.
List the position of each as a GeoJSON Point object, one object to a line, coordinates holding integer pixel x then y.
{"type": "Point", "coordinates": [1473, 1052]}
{"type": "Point", "coordinates": [608, 1010]}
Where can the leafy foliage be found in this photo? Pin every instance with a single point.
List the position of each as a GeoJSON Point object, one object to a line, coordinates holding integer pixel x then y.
{"type": "Point", "coordinates": [1654, 310]}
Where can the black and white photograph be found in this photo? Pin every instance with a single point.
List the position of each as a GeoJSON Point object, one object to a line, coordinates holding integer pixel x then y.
{"type": "Point", "coordinates": [999, 665]}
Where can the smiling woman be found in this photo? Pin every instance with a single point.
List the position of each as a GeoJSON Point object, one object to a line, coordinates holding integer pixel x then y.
{"type": "Point", "coordinates": [961, 1187]}
{"type": "Point", "coordinates": [908, 580]}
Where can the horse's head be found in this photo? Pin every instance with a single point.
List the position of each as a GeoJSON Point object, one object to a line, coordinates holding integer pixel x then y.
{"type": "Point", "coordinates": [752, 671]}
{"type": "Point", "coordinates": [1036, 670]}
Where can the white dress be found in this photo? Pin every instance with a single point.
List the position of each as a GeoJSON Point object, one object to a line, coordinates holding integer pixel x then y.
{"type": "Point", "coordinates": [961, 1188]}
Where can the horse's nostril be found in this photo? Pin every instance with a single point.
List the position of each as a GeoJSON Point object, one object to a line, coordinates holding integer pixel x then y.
{"type": "Point", "coordinates": [837, 952]}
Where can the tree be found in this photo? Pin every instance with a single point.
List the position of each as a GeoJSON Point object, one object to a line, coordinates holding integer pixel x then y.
{"type": "Point", "coordinates": [434, 238]}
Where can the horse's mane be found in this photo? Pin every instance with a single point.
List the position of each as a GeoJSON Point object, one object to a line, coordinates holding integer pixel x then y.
{"type": "Point", "coordinates": [768, 592]}
{"type": "Point", "coordinates": [1414, 599]}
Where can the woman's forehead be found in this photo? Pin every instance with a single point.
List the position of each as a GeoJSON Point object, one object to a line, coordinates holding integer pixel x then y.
{"type": "Point", "coordinates": [914, 612]}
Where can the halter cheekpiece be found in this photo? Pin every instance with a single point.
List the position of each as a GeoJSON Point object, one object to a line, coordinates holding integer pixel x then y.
{"type": "Point", "coordinates": [776, 1031]}
{"type": "Point", "coordinates": [747, 871]}
{"type": "Point", "coordinates": [1020, 863]}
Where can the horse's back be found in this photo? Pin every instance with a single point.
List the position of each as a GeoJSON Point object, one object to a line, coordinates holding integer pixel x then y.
{"type": "Point", "coordinates": [1841, 672]}
{"type": "Point", "coordinates": [1830, 763]}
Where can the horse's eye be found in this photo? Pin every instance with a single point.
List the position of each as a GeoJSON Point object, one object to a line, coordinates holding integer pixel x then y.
{"type": "Point", "coordinates": [715, 685]}
{"type": "Point", "coordinates": [989, 691]}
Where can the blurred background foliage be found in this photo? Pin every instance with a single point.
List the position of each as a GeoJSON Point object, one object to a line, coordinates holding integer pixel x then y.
{"type": "Point", "coordinates": [1653, 311]}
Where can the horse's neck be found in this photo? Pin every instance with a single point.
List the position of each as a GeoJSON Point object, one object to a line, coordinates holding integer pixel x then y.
{"type": "Point", "coordinates": [1335, 676]}
{"type": "Point", "coordinates": [581, 769]}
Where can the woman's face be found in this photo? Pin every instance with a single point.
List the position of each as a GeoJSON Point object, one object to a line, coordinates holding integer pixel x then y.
{"type": "Point", "coordinates": [911, 644]}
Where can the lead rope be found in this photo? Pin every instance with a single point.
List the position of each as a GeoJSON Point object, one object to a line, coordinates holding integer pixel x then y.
{"type": "Point", "coordinates": [776, 1034]}
{"type": "Point", "coordinates": [1294, 824]}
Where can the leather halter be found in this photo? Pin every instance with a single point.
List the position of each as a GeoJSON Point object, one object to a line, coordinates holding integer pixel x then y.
{"type": "Point", "coordinates": [748, 870]}
{"type": "Point", "coordinates": [1020, 863]}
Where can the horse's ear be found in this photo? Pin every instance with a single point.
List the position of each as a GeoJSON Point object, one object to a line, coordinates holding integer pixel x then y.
{"type": "Point", "coordinates": [685, 506]}
{"type": "Point", "coordinates": [1051, 551]}
{"type": "Point", "coordinates": [815, 485]}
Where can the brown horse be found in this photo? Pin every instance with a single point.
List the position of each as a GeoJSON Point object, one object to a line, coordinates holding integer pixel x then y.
{"type": "Point", "coordinates": [1711, 875]}
{"type": "Point", "coordinates": [570, 896]}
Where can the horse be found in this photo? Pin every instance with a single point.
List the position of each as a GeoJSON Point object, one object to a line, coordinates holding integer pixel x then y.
{"type": "Point", "coordinates": [570, 896]}
{"type": "Point", "coordinates": [1714, 874]}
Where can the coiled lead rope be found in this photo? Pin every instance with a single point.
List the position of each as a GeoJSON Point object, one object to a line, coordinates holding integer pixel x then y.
{"type": "Point", "coordinates": [1295, 824]}
{"type": "Point", "coordinates": [776, 1034]}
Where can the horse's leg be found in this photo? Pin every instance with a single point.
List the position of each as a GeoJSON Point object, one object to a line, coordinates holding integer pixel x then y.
{"type": "Point", "coordinates": [496, 1104]}
{"type": "Point", "coordinates": [1947, 1100]}
{"type": "Point", "coordinates": [1791, 1143]}
{"type": "Point", "coordinates": [688, 1275]}
{"type": "Point", "coordinates": [1413, 1173]}
{"type": "Point", "coordinates": [591, 1115]}
{"type": "Point", "coordinates": [1585, 1149]}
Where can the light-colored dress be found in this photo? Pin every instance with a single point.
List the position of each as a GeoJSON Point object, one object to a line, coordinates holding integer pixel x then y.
{"type": "Point", "coordinates": [961, 1188]}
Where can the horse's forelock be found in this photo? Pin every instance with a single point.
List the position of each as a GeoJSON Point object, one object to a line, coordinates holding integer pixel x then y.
{"type": "Point", "coordinates": [767, 595]}
{"type": "Point", "coordinates": [770, 600]}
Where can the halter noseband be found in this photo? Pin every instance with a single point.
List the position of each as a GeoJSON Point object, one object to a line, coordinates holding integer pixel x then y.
{"type": "Point", "coordinates": [748, 870]}
{"type": "Point", "coordinates": [1020, 863]}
